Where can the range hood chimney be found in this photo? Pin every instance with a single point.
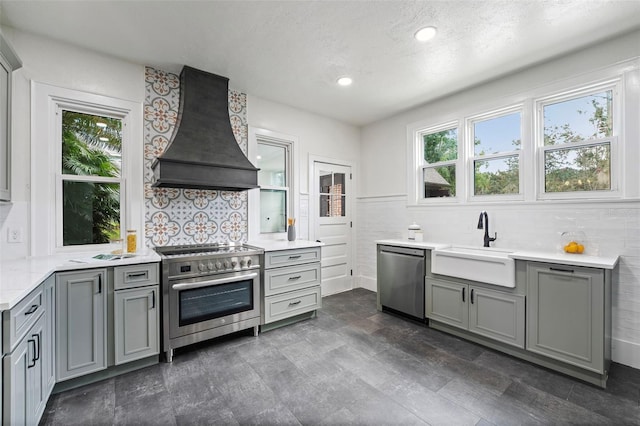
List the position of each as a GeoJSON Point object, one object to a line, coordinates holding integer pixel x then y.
{"type": "Point", "coordinates": [203, 152]}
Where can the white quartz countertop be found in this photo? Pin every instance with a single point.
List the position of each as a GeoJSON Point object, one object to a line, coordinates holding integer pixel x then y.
{"type": "Point", "coordinates": [19, 277]}
{"type": "Point", "coordinates": [426, 245]}
{"type": "Point", "coordinates": [603, 262]}
{"type": "Point", "coordinates": [275, 245]}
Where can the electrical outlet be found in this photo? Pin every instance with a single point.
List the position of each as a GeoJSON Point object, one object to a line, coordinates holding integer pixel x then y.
{"type": "Point", "coordinates": [14, 235]}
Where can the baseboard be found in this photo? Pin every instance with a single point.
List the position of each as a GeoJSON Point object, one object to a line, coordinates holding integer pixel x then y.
{"type": "Point", "coordinates": [627, 353]}
{"type": "Point", "coordinates": [367, 283]}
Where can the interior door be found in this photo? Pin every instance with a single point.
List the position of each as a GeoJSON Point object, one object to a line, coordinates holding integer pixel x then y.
{"type": "Point", "coordinates": [332, 223]}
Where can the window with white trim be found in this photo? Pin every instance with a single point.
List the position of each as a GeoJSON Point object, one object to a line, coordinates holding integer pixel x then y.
{"type": "Point", "coordinates": [495, 154]}
{"type": "Point", "coordinates": [577, 143]}
{"type": "Point", "coordinates": [87, 170]}
{"type": "Point", "coordinates": [274, 178]}
{"type": "Point", "coordinates": [439, 161]}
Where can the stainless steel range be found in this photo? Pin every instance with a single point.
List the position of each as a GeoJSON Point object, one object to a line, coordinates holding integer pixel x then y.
{"type": "Point", "coordinates": [208, 291]}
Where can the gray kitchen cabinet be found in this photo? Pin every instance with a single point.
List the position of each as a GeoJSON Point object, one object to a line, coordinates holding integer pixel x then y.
{"type": "Point", "coordinates": [291, 285]}
{"type": "Point", "coordinates": [25, 397]}
{"type": "Point", "coordinates": [568, 314]}
{"type": "Point", "coordinates": [9, 62]}
{"type": "Point", "coordinates": [136, 317]}
{"type": "Point", "coordinates": [81, 328]}
{"type": "Point", "coordinates": [136, 312]}
{"type": "Point", "coordinates": [24, 335]}
{"type": "Point", "coordinates": [494, 314]}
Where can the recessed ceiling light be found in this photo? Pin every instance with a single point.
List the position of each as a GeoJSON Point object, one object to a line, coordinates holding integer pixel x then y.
{"type": "Point", "coordinates": [425, 34]}
{"type": "Point", "coordinates": [345, 81]}
{"type": "Point", "coordinates": [101, 124]}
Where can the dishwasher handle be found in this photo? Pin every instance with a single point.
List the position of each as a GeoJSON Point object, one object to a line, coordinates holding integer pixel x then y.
{"type": "Point", "coordinates": [401, 250]}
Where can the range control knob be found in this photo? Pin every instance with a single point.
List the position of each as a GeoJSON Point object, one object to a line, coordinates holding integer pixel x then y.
{"type": "Point", "coordinates": [234, 263]}
{"type": "Point", "coordinates": [202, 267]}
{"type": "Point", "coordinates": [248, 262]}
{"type": "Point", "coordinates": [218, 265]}
{"type": "Point", "coordinates": [226, 264]}
{"type": "Point", "coordinates": [210, 266]}
{"type": "Point", "coordinates": [243, 263]}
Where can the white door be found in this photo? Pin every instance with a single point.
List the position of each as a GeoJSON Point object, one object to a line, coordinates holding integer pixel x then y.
{"type": "Point", "coordinates": [331, 209]}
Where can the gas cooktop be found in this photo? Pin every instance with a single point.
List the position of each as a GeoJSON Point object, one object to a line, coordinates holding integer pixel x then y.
{"type": "Point", "coordinates": [208, 250]}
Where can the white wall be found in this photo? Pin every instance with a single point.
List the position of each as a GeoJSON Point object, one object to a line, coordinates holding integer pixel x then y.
{"type": "Point", "coordinates": [314, 135]}
{"type": "Point", "coordinates": [317, 135]}
{"type": "Point", "coordinates": [612, 227]}
{"type": "Point", "coordinates": [62, 65]}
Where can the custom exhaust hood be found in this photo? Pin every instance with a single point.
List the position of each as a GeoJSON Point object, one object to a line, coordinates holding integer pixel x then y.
{"type": "Point", "coordinates": [203, 152]}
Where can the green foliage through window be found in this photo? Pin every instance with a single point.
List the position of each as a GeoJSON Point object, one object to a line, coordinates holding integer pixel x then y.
{"type": "Point", "coordinates": [91, 146]}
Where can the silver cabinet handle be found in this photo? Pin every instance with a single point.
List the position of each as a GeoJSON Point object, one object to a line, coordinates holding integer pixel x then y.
{"type": "Point", "coordinates": [187, 286]}
{"type": "Point", "coordinates": [295, 303]}
{"type": "Point", "coordinates": [295, 257]}
{"type": "Point", "coordinates": [297, 277]}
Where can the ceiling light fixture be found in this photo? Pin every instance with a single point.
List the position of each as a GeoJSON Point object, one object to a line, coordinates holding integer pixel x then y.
{"type": "Point", "coordinates": [425, 34]}
{"type": "Point", "coordinates": [345, 81]}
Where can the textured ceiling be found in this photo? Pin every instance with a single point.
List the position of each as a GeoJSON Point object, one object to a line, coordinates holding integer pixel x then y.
{"type": "Point", "coordinates": [293, 51]}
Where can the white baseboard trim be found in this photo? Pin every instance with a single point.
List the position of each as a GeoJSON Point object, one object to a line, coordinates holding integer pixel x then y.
{"type": "Point", "coordinates": [627, 353]}
{"type": "Point", "coordinates": [367, 283]}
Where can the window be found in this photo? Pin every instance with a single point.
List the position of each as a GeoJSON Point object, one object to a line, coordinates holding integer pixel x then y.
{"type": "Point", "coordinates": [87, 167]}
{"type": "Point", "coordinates": [440, 155]}
{"type": "Point", "coordinates": [91, 181]}
{"type": "Point", "coordinates": [578, 143]}
{"type": "Point", "coordinates": [274, 178]}
{"type": "Point", "coordinates": [496, 154]}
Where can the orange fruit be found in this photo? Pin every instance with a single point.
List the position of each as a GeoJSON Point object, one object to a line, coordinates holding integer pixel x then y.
{"type": "Point", "coordinates": [580, 249]}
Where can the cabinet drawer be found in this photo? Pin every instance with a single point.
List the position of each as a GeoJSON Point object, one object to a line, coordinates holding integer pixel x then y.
{"type": "Point", "coordinates": [293, 303]}
{"type": "Point", "coordinates": [280, 280]}
{"type": "Point", "coordinates": [135, 275]}
{"type": "Point", "coordinates": [17, 321]}
{"type": "Point", "coordinates": [275, 259]}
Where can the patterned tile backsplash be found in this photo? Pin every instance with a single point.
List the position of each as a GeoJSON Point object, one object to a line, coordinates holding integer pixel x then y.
{"type": "Point", "coordinates": [187, 216]}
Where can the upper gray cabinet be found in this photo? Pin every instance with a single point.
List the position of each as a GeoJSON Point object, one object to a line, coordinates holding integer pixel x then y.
{"type": "Point", "coordinates": [9, 62]}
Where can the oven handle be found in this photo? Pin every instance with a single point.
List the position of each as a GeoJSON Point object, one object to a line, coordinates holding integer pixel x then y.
{"type": "Point", "coordinates": [188, 286]}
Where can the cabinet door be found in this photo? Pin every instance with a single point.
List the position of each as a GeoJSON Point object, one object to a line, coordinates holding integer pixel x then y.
{"type": "Point", "coordinates": [48, 339]}
{"type": "Point", "coordinates": [497, 315]}
{"type": "Point", "coordinates": [24, 400]}
{"type": "Point", "coordinates": [136, 324]}
{"type": "Point", "coordinates": [81, 328]}
{"type": "Point", "coordinates": [447, 302]}
{"type": "Point", "coordinates": [565, 314]}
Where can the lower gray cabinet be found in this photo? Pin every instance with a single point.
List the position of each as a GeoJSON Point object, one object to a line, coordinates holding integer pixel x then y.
{"type": "Point", "coordinates": [25, 397]}
{"type": "Point", "coordinates": [567, 314]}
{"type": "Point", "coordinates": [136, 331]}
{"type": "Point", "coordinates": [81, 331]}
{"type": "Point", "coordinates": [491, 313]}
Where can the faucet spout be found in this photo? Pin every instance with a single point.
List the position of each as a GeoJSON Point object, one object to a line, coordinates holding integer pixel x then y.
{"type": "Point", "coordinates": [483, 223]}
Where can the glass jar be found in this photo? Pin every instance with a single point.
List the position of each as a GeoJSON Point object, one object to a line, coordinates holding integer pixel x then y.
{"type": "Point", "coordinates": [132, 241]}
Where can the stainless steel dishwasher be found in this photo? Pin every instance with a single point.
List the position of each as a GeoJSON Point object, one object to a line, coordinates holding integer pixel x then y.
{"type": "Point", "coordinates": [401, 273]}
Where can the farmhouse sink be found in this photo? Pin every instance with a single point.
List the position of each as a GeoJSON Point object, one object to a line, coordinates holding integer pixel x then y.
{"type": "Point", "coordinates": [483, 264]}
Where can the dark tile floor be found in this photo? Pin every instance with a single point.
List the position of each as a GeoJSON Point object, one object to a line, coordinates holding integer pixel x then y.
{"type": "Point", "coordinates": [350, 365]}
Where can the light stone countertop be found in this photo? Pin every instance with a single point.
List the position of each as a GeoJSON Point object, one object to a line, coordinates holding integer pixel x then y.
{"type": "Point", "coordinates": [21, 276]}
{"type": "Point", "coordinates": [275, 245]}
{"type": "Point", "coordinates": [603, 262]}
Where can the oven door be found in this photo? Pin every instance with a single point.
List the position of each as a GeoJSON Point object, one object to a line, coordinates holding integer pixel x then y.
{"type": "Point", "coordinates": [204, 303]}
